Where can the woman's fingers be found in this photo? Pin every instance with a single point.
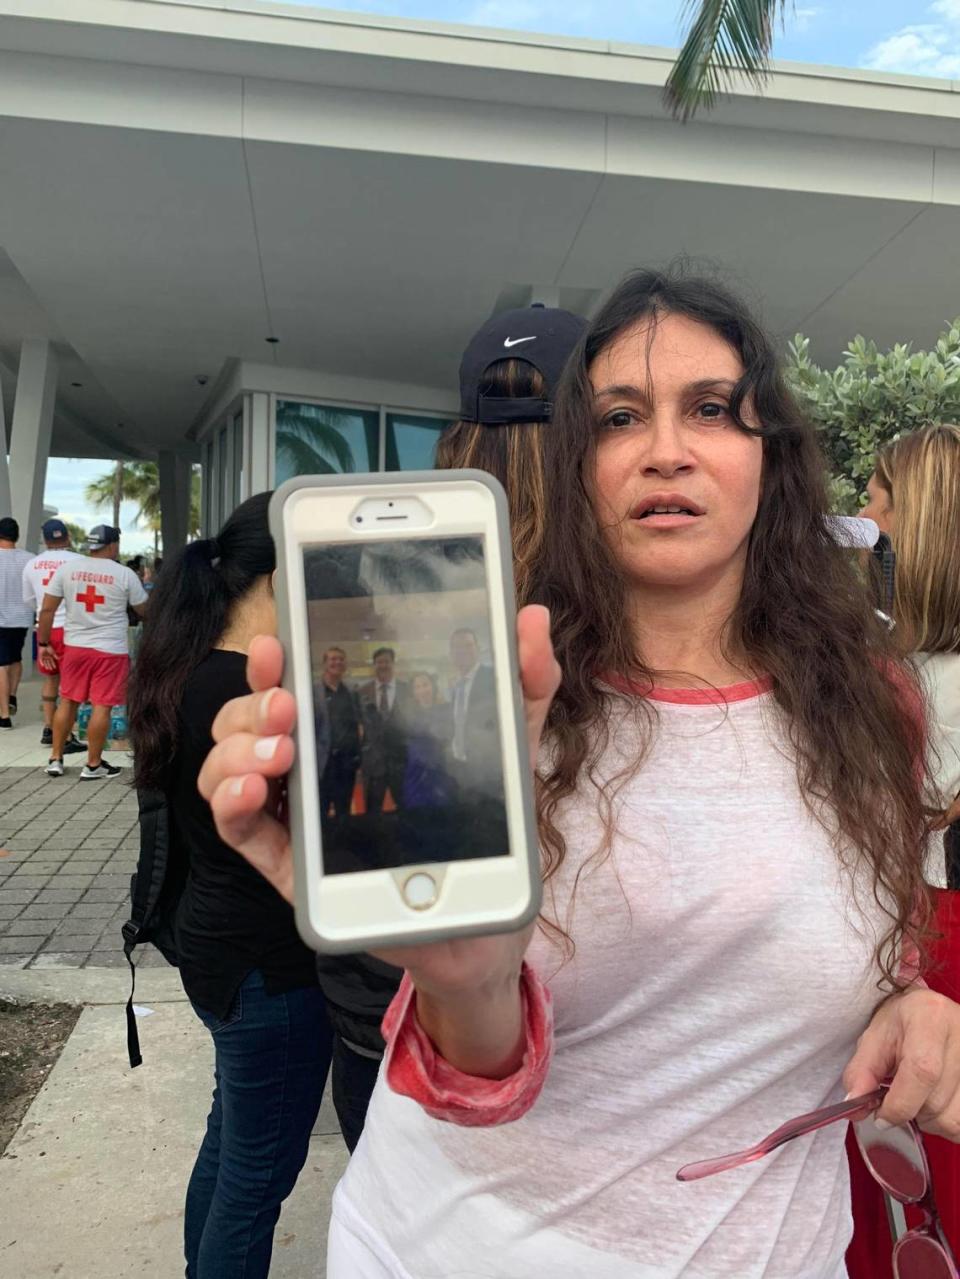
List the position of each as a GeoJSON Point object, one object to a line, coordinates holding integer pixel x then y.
{"type": "Point", "coordinates": [239, 807]}
{"type": "Point", "coordinates": [539, 671]}
{"type": "Point", "coordinates": [264, 662]}
{"type": "Point", "coordinates": [264, 714]}
{"type": "Point", "coordinates": [915, 1038]}
{"type": "Point", "coordinates": [241, 754]}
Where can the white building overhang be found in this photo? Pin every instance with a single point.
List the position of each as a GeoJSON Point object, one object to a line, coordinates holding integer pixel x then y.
{"type": "Point", "coordinates": [183, 179]}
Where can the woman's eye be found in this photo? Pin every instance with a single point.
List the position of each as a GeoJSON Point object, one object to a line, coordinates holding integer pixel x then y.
{"type": "Point", "coordinates": [618, 419]}
{"type": "Point", "coordinates": [712, 412]}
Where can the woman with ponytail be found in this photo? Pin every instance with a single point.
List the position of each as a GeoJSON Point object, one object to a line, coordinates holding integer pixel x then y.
{"type": "Point", "coordinates": [250, 979]}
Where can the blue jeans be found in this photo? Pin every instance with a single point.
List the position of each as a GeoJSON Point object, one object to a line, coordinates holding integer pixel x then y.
{"type": "Point", "coordinates": [272, 1054]}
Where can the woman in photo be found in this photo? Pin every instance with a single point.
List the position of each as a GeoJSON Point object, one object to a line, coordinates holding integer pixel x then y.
{"type": "Point", "coordinates": [427, 782]}
{"type": "Point", "coordinates": [251, 980]}
{"type": "Point", "coordinates": [914, 497]}
{"type": "Point", "coordinates": [732, 829]}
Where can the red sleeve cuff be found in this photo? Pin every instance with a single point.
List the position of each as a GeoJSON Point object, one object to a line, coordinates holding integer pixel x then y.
{"type": "Point", "coordinates": [415, 1069]}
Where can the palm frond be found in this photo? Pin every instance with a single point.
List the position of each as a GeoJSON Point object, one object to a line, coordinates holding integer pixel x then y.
{"type": "Point", "coordinates": [727, 39]}
{"type": "Point", "coordinates": [306, 432]}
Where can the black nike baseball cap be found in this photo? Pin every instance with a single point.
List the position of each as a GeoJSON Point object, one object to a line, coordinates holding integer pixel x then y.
{"type": "Point", "coordinates": [541, 336]}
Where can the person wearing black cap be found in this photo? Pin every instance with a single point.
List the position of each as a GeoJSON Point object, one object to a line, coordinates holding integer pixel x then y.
{"type": "Point", "coordinates": [96, 592]}
{"type": "Point", "coordinates": [508, 382]}
{"type": "Point", "coordinates": [37, 573]}
{"type": "Point", "coordinates": [16, 618]}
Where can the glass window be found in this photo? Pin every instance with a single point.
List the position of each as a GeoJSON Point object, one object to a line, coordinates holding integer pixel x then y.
{"type": "Point", "coordinates": [412, 441]}
{"type": "Point", "coordinates": [316, 439]}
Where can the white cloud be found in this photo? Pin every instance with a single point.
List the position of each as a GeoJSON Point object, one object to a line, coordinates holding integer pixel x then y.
{"type": "Point", "coordinates": [925, 48]}
{"type": "Point", "coordinates": [801, 19]}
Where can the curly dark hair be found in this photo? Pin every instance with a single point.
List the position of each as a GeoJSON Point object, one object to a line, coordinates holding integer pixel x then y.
{"type": "Point", "coordinates": [803, 618]}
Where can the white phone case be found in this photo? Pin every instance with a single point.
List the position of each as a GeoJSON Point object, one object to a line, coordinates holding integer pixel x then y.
{"type": "Point", "coordinates": [369, 909]}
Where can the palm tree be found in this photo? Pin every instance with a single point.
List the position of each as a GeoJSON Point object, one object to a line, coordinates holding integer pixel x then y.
{"type": "Point", "coordinates": [727, 39]}
{"type": "Point", "coordinates": [140, 482]}
{"type": "Point", "coordinates": [124, 482]}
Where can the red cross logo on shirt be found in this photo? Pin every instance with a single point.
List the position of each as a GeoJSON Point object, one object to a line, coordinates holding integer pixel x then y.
{"type": "Point", "coordinates": [90, 599]}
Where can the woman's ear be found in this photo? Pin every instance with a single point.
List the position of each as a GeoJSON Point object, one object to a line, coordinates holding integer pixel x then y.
{"type": "Point", "coordinates": [273, 581]}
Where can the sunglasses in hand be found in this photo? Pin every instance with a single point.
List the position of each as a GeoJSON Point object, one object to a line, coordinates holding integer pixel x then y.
{"type": "Point", "coordinates": [895, 1158]}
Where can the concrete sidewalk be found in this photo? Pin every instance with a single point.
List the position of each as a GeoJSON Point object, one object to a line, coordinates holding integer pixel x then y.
{"type": "Point", "coordinates": [92, 1185]}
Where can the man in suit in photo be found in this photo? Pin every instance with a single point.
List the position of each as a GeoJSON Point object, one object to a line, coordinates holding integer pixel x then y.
{"type": "Point", "coordinates": [384, 702]}
{"type": "Point", "coordinates": [475, 747]}
{"type": "Point", "coordinates": [342, 716]}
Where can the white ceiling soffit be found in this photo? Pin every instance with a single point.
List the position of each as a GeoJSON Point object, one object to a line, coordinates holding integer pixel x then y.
{"type": "Point", "coordinates": [166, 220]}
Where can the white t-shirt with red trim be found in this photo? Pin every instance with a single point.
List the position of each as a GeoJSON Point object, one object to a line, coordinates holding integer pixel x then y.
{"type": "Point", "coordinates": [722, 972]}
{"type": "Point", "coordinates": [95, 596]}
{"type": "Point", "coordinates": [37, 576]}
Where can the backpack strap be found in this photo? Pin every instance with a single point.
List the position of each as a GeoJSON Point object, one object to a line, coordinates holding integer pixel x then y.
{"type": "Point", "coordinates": [146, 888]}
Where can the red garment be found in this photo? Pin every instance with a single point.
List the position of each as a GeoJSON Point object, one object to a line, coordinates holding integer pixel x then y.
{"type": "Point", "coordinates": [869, 1255]}
{"type": "Point", "coordinates": [415, 1069]}
{"type": "Point", "coordinates": [88, 675]}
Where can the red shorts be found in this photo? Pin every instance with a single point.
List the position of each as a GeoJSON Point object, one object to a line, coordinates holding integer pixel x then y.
{"type": "Point", "coordinates": [56, 643]}
{"type": "Point", "coordinates": [87, 675]}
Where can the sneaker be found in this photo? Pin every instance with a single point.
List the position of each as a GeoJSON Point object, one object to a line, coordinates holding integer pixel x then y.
{"type": "Point", "coordinates": [13, 705]}
{"type": "Point", "coordinates": [6, 723]}
{"type": "Point", "coordinates": [55, 768]}
{"type": "Point", "coordinates": [46, 737]}
{"type": "Point", "coordinates": [102, 771]}
{"type": "Point", "coordinates": [73, 747]}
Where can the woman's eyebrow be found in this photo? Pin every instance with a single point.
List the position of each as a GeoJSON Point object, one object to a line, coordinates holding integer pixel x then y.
{"type": "Point", "coordinates": [623, 391]}
{"type": "Point", "coordinates": [710, 384]}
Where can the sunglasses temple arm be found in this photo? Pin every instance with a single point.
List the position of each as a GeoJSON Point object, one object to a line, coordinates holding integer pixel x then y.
{"type": "Point", "coordinates": [792, 1129]}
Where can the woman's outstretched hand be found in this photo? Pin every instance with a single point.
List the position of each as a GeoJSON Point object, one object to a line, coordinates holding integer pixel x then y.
{"type": "Point", "coordinates": [467, 990]}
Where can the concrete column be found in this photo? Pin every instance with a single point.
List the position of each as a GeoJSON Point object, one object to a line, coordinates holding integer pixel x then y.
{"type": "Point", "coordinates": [6, 507]}
{"type": "Point", "coordinates": [175, 479]}
{"type": "Point", "coordinates": [261, 442]}
{"type": "Point", "coordinates": [32, 429]}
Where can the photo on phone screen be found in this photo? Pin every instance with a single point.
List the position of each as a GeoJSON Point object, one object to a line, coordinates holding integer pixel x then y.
{"type": "Point", "coordinates": [409, 755]}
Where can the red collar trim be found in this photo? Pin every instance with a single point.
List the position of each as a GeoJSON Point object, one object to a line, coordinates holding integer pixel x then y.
{"type": "Point", "coordinates": [694, 696]}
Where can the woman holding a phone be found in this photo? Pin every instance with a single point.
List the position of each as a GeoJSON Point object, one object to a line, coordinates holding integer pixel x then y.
{"type": "Point", "coordinates": [732, 829]}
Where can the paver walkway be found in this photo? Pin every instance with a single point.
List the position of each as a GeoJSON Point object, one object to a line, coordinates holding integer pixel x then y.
{"type": "Point", "coordinates": [71, 849]}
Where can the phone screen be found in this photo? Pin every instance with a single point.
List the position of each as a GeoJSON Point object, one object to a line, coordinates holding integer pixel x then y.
{"type": "Point", "coordinates": [409, 754]}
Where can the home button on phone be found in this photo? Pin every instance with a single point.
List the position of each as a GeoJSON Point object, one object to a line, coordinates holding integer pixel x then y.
{"type": "Point", "coordinates": [420, 891]}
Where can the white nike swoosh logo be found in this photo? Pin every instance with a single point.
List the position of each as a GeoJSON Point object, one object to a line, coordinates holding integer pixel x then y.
{"type": "Point", "coordinates": [508, 342]}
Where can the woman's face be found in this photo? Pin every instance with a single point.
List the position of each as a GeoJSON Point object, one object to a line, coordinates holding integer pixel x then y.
{"type": "Point", "coordinates": [423, 690]}
{"type": "Point", "coordinates": [879, 507]}
{"type": "Point", "coordinates": [666, 440]}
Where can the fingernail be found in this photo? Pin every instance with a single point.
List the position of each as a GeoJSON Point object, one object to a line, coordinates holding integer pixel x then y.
{"type": "Point", "coordinates": [236, 786]}
{"type": "Point", "coordinates": [265, 702]}
{"type": "Point", "coordinates": [849, 1097]}
{"type": "Point", "coordinates": [882, 1125]}
{"type": "Point", "coordinates": [266, 747]}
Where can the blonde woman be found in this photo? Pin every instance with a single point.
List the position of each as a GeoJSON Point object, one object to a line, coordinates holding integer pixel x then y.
{"type": "Point", "coordinates": [914, 496]}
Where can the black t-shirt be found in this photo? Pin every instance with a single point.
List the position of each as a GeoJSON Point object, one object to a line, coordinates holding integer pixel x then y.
{"type": "Point", "coordinates": [230, 920]}
{"type": "Point", "coordinates": [343, 712]}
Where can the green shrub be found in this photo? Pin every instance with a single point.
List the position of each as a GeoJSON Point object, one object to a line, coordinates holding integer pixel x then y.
{"type": "Point", "coordinates": [871, 398]}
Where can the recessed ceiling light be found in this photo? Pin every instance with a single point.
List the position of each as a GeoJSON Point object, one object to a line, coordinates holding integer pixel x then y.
{"type": "Point", "coordinates": [272, 341]}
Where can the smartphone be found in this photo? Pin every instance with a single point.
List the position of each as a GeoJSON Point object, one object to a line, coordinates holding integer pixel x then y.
{"type": "Point", "coordinates": [410, 802]}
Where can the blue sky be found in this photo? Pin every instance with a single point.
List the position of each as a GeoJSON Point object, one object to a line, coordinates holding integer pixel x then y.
{"type": "Point", "coordinates": [917, 38]}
